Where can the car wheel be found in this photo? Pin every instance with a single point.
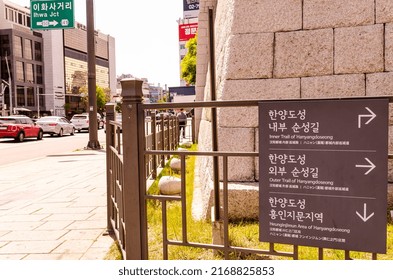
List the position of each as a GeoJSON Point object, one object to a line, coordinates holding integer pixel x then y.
{"type": "Point", "coordinates": [20, 137]}
{"type": "Point", "coordinates": [60, 133]}
{"type": "Point", "coordinates": [40, 135]}
{"type": "Point", "coordinates": [79, 130]}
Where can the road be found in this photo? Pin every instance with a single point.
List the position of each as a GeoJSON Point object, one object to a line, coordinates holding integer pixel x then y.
{"type": "Point", "coordinates": [11, 151]}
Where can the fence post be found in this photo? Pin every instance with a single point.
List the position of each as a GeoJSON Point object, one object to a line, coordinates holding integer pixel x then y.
{"type": "Point", "coordinates": [162, 133]}
{"type": "Point", "coordinates": [193, 129]}
{"type": "Point", "coordinates": [167, 137]}
{"type": "Point", "coordinates": [133, 199]}
{"type": "Point", "coordinates": [154, 140]}
{"type": "Point", "coordinates": [110, 116]}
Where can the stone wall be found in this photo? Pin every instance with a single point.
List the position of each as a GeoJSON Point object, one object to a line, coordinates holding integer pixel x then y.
{"type": "Point", "coordinates": [287, 49]}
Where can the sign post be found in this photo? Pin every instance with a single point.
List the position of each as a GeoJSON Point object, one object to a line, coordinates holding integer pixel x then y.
{"type": "Point", "coordinates": [323, 169]}
{"type": "Point", "coordinates": [52, 14]}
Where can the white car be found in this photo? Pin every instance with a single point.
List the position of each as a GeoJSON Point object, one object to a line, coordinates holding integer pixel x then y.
{"type": "Point", "coordinates": [81, 121]}
{"type": "Point", "coordinates": [56, 126]}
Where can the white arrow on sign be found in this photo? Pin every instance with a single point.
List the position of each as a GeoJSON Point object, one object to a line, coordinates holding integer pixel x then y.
{"type": "Point", "coordinates": [371, 166]}
{"type": "Point", "coordinates": [46, 23]}
{"type": "Point", "coordinates": [364, 218]}
{"type": "Point", "coordinates": [370, 117]}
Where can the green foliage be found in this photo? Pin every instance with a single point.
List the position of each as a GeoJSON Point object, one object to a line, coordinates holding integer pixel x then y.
{"type": "Point", "coordinates": [188, 64]}
{"type": "Point", "coordinates": [103, 97]}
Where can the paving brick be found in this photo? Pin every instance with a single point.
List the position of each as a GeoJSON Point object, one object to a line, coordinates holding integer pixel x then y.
{"type": "Point", "coordinates": [33, 235]}
{"type": "Point", "coordinates": [30, 247]}
{"type": "Point", "coordinates": [73, 246]}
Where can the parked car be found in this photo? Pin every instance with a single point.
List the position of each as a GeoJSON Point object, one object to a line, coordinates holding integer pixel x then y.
{"type": "Point", "coordinates": [118, 119]}
{"type": "Point", "coordinates": [56, 126]}
{"type": "Point", "coordinates": [81, 121]}
{"type": "Point", "coordinates": [19, 128]}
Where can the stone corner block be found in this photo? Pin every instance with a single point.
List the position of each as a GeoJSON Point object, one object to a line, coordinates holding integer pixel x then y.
{"type": "Point", "coordinates": [359, 49]}
{"type": "Point", "coordinates": [267, 16]}
{"type": "Point", "coordinates": [337, 13]}
{"type": "Point", "coordinates": [256, 62]}
{"type": "Point", "coordinates": [313, 55]}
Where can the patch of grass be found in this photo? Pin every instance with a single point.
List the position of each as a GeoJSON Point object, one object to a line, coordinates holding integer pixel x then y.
{"type": "Point", "coordinates": [174, 221]}
{"type": "Point", "coordinates": [114, 252]}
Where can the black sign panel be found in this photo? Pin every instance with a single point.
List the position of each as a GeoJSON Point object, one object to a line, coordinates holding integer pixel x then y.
{"type": "Point", "coordinates": [190, 5]}
{"type": "Point", "coordinates": [323, 173]}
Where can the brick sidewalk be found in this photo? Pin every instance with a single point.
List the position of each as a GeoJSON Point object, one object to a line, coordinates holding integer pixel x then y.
{"type": "Point", "coordinates": [54, 208]}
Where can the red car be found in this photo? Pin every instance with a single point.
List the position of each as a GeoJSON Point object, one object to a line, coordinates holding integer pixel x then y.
{"type": "Point", "coordinates": [19, 128]}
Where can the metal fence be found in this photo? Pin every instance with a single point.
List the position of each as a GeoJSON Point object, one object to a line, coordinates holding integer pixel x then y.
{"type": "Point", "coordinates": [135, 156]}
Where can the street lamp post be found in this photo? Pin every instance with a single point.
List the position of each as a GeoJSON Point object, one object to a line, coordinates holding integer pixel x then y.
{"type": "Point", "coordinates": [3, 87]}
{"type": "Point", "coordinates": [91, 65]}
{"type": "Point", "coordinates": [9, 85]}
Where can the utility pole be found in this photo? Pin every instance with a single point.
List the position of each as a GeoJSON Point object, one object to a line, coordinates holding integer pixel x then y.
{"type": "Point", "coordinates": [91, 85]}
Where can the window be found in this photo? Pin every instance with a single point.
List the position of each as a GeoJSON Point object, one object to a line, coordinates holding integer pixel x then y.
{"type": "Point", "coordinates": [41, 96]}
{"type": "Point", "coordinates": [29, 73]}
{"type": "Point", "coordinates": [30, 97]}
{"type": "Point", "coordinates": [20, 18]}
{"type": "Point", "coordinates": [37, 51]}
{"type": "Point", "coordinates": [21, 96]}
{"type": "Point", "coordinates": [5, 45]}
{"type": "Point", "coordinates": [18, 46]}
{"type": "Point", "coordinates": [20, 73]}
{"type": "Point", "coordinates": [17, 16]}
{"type": "Point", "coordinates": [39, 75]}
{"type": "Point", "coordinates": [28, 49]}
{"type": "Point", "coordinates": [10, 15]}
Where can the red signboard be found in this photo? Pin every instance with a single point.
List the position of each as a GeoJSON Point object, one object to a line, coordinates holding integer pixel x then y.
{"type": "Point", "coordinates": [187, 31]}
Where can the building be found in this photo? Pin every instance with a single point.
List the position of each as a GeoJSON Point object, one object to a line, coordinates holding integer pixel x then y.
{"type": "Point", "coordinates": [22, 61]}
{"type": "Point", "coordinates": [47, 70]}
{"type": "Point", "coordinates": [182, 94]}
{"type": "Point", "coordinates": [188, 27]}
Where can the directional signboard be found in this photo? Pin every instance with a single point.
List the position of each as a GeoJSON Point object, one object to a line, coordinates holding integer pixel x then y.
{"type": "Point", "coordinates": [52, 14]}
{"type": "Point", "coordinates": [323, 170]}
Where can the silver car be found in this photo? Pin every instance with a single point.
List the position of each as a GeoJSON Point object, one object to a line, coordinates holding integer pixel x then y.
{"type": "Point", "coordinates": [56, 126]}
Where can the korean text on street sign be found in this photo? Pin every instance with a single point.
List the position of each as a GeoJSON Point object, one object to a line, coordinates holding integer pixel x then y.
{"type": "Point", "coordinates": [323, 170]}
{"type": "Point", "coordinates": [52, 14]}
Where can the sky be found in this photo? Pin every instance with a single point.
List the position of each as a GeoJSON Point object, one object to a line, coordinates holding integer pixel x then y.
{"type": "Point", "coordinates": [146, 34]}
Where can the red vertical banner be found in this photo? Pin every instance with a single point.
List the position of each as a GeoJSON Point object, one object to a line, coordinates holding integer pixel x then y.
{"type": "Point", "coordinates": [187, 31]}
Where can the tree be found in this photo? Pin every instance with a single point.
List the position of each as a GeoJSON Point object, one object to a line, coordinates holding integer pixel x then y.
{"type": "Point", "coordinates": [188, 64]}
{"type": "Point", "coordinates": [103, 97]}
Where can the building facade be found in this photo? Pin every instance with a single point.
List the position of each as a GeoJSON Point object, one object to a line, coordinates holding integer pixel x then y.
{"type": "Point", "coordinates": [188, 28]}
{"type": "Point", "coordinates": [45, 72]}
